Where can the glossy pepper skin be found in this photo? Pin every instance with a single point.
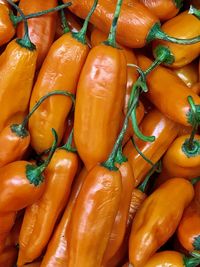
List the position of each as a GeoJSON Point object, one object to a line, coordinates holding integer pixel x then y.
{"type": "Point", "coordinates": [188, 231]}
{"type": "Point", "coordinates": [163, 9]}
{"type": "Point", "coordinates": [7, 29]}
{"type": "Point", "coordinates": [178, 163]}
{"type": "Point", "coordinates": [57, 250]}
{"type": "Point", "coordinates": [17, 70]}
{"type": "Point", "coordinates": [134, 25]}
{"type": "Point", "coordinates": [101, 87]}
{"type": "Point", "coordinates": [93, 217]}
{"type": "Point", "coordinates": [175, 89]}
{"type": "Point", "coordinates": [189, 74]}
{"type": "Point", "coordinates": [16, 186]}
{"type": "Point", "coordinates": [7, 221]}
{"type": "Point", "coordinates": [41, 29]}
{"type": "Point", "coordinates": [119, 227]}
{"type": "Point", "coordinates": [98, 37]}
{"type": "Point", "coordinates": [171, 258]}
{"type": "Point", "coordinates": [62, 66]}
{"type": "Point", "coordinates": [8, 257]}
{"type": "Point", "coordinates": [43, 215]}
{"type": "Point", "coordinates": [164, 130]}
{"type": "Point", "coordinates": [164, 209]}
{"type": "Point", "coordinates": [184, 26]}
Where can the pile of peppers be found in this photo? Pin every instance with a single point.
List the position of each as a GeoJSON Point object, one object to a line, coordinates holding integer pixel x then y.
{"type": "Point", "coordinates": [99, 133]}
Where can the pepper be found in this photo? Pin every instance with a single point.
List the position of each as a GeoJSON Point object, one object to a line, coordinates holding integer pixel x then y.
{"type": "Point", "coordinates": [43, 214]}
{"type": "Point", "coordinates": [17, 69]}
{"type": "Point", "coordinates": [34, 264]}
{"type": "Point", "coordinates": [164, 130]}
{"type": "Point", "coordinates": [15, 138]}
{"type": "Point", "coordinates": [171, 258]}
{"type": "Point", "coordinates": [164, 10]}
{"type": "Point", "coordinates": [22, 183]}
{"type": "Point", "coordinates": [62, 66]}
{"type": "Point", "coordinates": [137, 25]}
{"type": "Point", "coordinates": [158, 218]}
{"type": "Point", "coordinates": [185, 25]}
{"type": "Point", "coordinates": [8, 257]}
{"type": "Point", "coordinates": [6, 223]}
{"type": "Point", "coordinates": [189, 74]}
{"type": "Point", "coordinates": [56, 254]}
{"type": "Point", "coordinates": [101, 87]}
{"type": "Point", "coordinates": [119, 227]}
{"type": "Point", "coordinates": [188, 231]}
{"type": "Point", "coordinates": [181, 111]}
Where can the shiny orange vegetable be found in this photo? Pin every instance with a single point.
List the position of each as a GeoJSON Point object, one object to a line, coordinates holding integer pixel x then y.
{"type": "Point", "coordinates": [119, 227]}
{"type": "Point", "coordinates": [177, 93]}
{"type": "Point", "coordinates": [62, 66]}
{"type": "Point", "coordinates": [164, 130]}
{"type": "Point", "coordinates": [101, 87]}
{"type": "Point", "coordinates": [15, 138]}
{"type": "Point", "coordinates": [171, 258]}
{"type": "Point", "coordinates": [41, 29]}
{"type": "Point", "coordinates": [137, 25]}
{"type": "Point", "coordinates": [40, 218]}
{"type": "Point", "coordinates": [189, 74]}
{"type": "Point", "coordinates": [163, 9]}
{"type": "Point", "coordinates": [188, 231]}
{"type": "Point", "coordinates": [158, 218]}
{"type": "Point", "coordinates": [185, 25]}
{"type": "Point", "coordinates": [57, 250]}
{"type": "Point", "coordinates": [181, 159]}
{"type": "Point", "coordinates": [6, 223]}
{"type": "Point", "coordinates": [17, 70]}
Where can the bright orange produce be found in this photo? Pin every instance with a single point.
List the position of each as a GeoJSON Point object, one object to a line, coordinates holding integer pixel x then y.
{"type": "Point", "coordinates": [8, 257]}
{"type": "Point", "coordinates": [158, 218]}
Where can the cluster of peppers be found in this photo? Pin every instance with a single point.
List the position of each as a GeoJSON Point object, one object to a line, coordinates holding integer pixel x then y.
{"type": "Point", "coordinates": [82, 185]}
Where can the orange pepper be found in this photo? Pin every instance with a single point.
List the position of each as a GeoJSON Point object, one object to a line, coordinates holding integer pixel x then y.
{"type": "Point", "coordinates": [17, 69]}
{"type": "Point", "coordinates": [163, 9]}
{"type": "Point", "coordinates": [189, 74]}
{"type": "Point", "coordinates": [8, 257]}
{"type": "Point", "coordinates": [101, 87]}
{"type": "Point", "coordinates": [119, 227]}
{"type": "Point", "coordinates": [188, 231]}
{"type": "Point", "coordinates": [181, 160]}
{"type": "Point", "coordinates": [62, 66]}
{"type": "Point", "coordinates": [34, 264]}
{"type": "Point", "coordinates": [164, 130]}
{"type": "Point", "coordinates": [56, 254]}
{"type": "Point", "coordinates": [40, 218]}
{"type": "Point", "coordinates": [7, 221]}
{"type": "Point", "coordinates": [134, 30]}
{"type": "Point", "coordinates": [171, 258]}
{"type": "Point", "coordinates": [157, 219]}
{"type": "Point", "coordinates": [176, 105]}
{"type": "Point", "coordinates": [41, 29]}
{"type": "Point", "coordinates": [184, 25]}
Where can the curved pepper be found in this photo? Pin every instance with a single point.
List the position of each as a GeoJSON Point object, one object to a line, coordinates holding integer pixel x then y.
{"type": "Point", "coordinates": [157, 219]}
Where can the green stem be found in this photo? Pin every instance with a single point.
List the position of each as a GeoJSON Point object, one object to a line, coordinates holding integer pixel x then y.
{"type": "Point", "coordinates": [64, 23]}
{"type": "Point", "coordinates": [120, 158]}
{"type": "Point", "coordinates": [157, 168]}
{"type": "Point", "coordinates": [157, 33]}
{"type": "Point", "coordinates": [20, 129]}
{"type": "Point", "coordinates": [178, 3]}
{"type": "Point", "coordinates": [17, 19]}
{"type": "Point", "coordinates": [81, 35]}
{"type": "Point", "coordinates": [111, 41]}
{"type": "Point", "coordinates": [194, 181]}
{"type": "Point", "coordinates": [140, 153]}
{"type": "Point", "coordinates": [110, 163]}
{"type": "Point", "coordinates": [68, 145]}
{"type": "Point", "coordinates": [34, 173]}
{"type": "Point", "coordinates": [25, 41]}
{"type": "Point", "coordinates": [191, 261]}
{"type": "Point", "coordinates": [194, 12]}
